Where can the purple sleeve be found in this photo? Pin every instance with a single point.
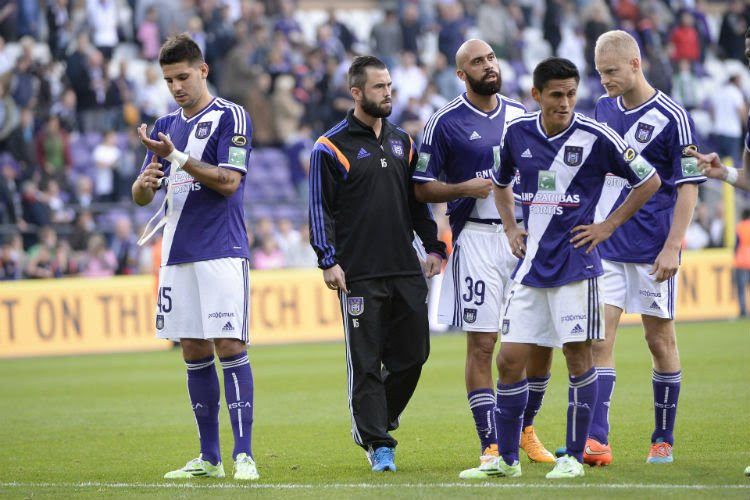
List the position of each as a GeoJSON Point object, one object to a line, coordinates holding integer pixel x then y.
{"type": "Point", "coordinates": [235, 134]}
{"type": "Point", "coordinates": [504, 166]}
{"type": "Point", "coordinates": [431, 156]}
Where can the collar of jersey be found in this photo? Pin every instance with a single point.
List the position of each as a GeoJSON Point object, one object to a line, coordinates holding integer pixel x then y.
{"type": "Point", "coordinates": [557, 135]}
{"type": "Point", "coordinates": [357, 126]}
{"type": "Point", "coordinates": [621, 105]}
{"type": "Point", "coordinates": [492, 114]}
{"type": "Point", "coordinates": [201, 113]}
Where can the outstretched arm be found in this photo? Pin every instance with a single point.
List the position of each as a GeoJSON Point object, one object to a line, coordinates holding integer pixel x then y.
{"type": "Point", "coordinates": [710, 165]}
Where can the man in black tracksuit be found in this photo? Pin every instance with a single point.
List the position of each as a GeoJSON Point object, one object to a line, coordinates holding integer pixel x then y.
{"type": "Point", "coordinates": [363, 216]}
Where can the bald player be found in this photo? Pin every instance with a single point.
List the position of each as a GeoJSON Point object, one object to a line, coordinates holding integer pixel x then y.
{"type": "Point", "coordinates": [642, 258]}
{"type": "Point", "coordinates": [460, 148]}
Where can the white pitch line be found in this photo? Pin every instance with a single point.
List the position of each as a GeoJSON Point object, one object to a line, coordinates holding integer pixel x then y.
{"type": "Point", "coordinates": [488, 485]}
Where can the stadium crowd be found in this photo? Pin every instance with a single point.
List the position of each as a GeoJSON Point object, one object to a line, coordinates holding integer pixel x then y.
{"type": "Point", "coordinates": [78, 76]}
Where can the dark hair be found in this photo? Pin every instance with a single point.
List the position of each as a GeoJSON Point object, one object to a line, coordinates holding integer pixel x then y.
{"type": "Point", "coordinates": [180, 48]}
{"type": "Point", "coordinates": [746, 214]}
{"type": "Point", "coordinates": [554, 68]}
{"type": "Point", "coordinates": [747, 33]}
{"type": "Point", "coordinates": [358, 70]}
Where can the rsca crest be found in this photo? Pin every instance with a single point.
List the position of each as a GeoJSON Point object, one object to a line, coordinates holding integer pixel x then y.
{"type": "Point", "coordinates": [397, 147]}
{"type": "Point", "coordinates": [470, 315]}
{"type": "Point", "coordinates": [573, 156]}
{"type": "Point", "coordinates": [643, 132]}
{"type": "Point", "coordinates": [355, 305]}
{"type": "Point", "coordinates": [202, 130]}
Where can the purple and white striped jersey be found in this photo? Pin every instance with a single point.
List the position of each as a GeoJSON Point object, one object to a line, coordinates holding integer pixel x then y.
{"type": "Point", "coordinates": [661, 131]}
{"type": "Point", "coordinates": [462, 142]}
{"type": "Point", "coordinates": [561, 178]}
{"type": "Point", "coordinates": [201, 223]}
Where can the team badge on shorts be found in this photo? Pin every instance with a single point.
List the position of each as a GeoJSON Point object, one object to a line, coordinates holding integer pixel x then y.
{"type": "Point", "coordinates": [159, 321]}
{"type": "Point", "coordinates": [202, 130]}
{"type": "Point", "coordinates": [470, 315]}
{"type": "Point", "coordinates": [573, 155]}
{"type": "Point", "coordinates": [506, 327]}
{"type": "Point", "coordinates": [355, 305]}
{"type": "Point", "coordinates": [397, 147]}
{"type": "Point", "coordinates": [643, 132]}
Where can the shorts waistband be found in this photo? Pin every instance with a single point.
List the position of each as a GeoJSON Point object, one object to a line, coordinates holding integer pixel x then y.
{"type": "Point", "coordinates": [486, 227]}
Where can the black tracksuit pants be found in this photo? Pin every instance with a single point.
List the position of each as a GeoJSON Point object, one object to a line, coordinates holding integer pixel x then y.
{"type": "Point", "coordinates": [387, 342]}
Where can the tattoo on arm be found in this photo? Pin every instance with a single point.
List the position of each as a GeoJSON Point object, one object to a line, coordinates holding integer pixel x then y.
{"type": "Point", "coordinates": [223, 175]}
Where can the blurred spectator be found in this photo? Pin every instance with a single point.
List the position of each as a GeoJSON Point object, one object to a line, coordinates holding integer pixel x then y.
{"type": "Point", "coordinates": [301, 253]}
{"type": "Point", "coordinates": [696, 236]}
{"type": "Point", "coordinates": [409, 80]}
{"type": "Point", "coordinates": [82, 230]}
{"type": "Point", "coordinates": [34, 209]}
{"type": "Point", "coordinates": [84, 191]}
{"type": "Point", "coordinates": [259, 107]}
{"type": "Point", "coordinates": [59, 213]}
{"type": "Point", "coordinates": [53, 151]}
{"type": "Point", "coordinates": [453, 27]}
{"type": "Point", "coordinates": [59, 26]}
{"type": "Point", "coordinates": [684, 42]}
{"type": "Point", "coordinates": [340, 30]}
{"type": "Point", "coordinates": [685, 86]}
{"type": "Point", "coordinates": [25, 84]}
{"type": "Point", "coordinates": [8, 192]}
{"type": "Point", "coordinates": [448, 83]}
{"type": "Point", "coordinates": [105, 156]}
{"type": "Point", "coordinates": [149, 35]}
{"type": "Point", "coordinates": [8, 19]}
{"type": "Point", "coordinates": [411, 28]}
{"type": "Point", "coordinates": [65, 111]}
{"type": "Point", "coordinates": [41, 265]}
{"type": "Point", "coordinates": [11, 258]}
{"type": "Point", "coordinates": [97, 260]}
{"type": "Point", "coordinates": [287, 235]}
{"type": "Point", "coordinates": [103, 17]}
{"type": "Point", "coordinates": [596, 22]}
{"type": "Point", "coordinates": [9, 118]}
{"type": "Point", "coordinates": [267, 255]}
{"type": "Point", "coordinates": [286, 24]}
{"type": "Point", "coordinates": [729, 112]}
{"type": "Point", "coordinates": [65, 261]}
{"type": "Point", "coordinates": [287, 111]}
{"type": "Point", "coordinates": [124, 246]}
{"type": "Point", "coordinates": [732, 31]}
{"type": "Point", "coordinates": [387, 39]}
{"type": "Point", "coordinates": [498, 27]}
{"type": "Point", "coordinates": [553, 12]}
{"type": "Point", "coordinates": [152, 97]}
{"type": "Point", "coordinates": [297, 149]}
{"type": "Point", "coordinates": [742, 261]}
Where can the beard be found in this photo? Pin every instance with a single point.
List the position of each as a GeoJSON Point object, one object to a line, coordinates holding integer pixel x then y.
{"type": "Point", "coordinates": [375, 109]}
{"type": "Point", "coordinates": [483, 87]}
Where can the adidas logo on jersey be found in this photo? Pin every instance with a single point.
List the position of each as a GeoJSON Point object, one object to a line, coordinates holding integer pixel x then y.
{"type": "Point", "coordinates": [654, 305]}
{"type": "Point", "coordinates": [526, 154]}
{"type": "Point", "coordinates": [362, 154]}
{"type": "Point", "coordinates": [474, 136]}
{"type": "Point", "coordinates": [577, 329]}
{"type": "Point", "coordinates": [228, 327]}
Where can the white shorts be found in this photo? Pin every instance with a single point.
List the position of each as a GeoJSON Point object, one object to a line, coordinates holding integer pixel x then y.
{"type": "Point", "coordinates": [475, 278]}
{"type": "Point", "coordinates": [552, 317]}
{"type": "Point", "coordinates": [204, 300]}
{"type": "Point", "coordinates": [629, 286]}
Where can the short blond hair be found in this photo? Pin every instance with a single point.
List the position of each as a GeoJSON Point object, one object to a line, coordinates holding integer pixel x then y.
{"type": "Point", "coordinates": [620, 42]}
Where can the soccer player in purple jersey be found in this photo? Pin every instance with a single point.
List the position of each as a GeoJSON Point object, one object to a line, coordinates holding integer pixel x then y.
{"type": "Point", "coordinates": [642, 258]}
{"type": "Point", "coordinates": [200, 152]}
{"type": "Point", "coordinates": [562, 159]}
{"type": "Point", "coordinates": [455, 164]}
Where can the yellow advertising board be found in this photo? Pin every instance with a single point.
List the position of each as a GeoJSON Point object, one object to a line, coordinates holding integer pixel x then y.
{"type": "Point", "coordinates": [75, 315]}
{"type": "Point", "coordinates": [69, 316]}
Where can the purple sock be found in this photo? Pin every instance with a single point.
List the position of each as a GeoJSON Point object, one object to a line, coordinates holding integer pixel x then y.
{"type": "Point", "coordinates": [537, 388]}
{"type": "Point", "coordinates": [666, 394]}
{"type": "Point", "coordinates": [482, 404]}
{"type": "Point", "coordinates": [205, 395]}
{"type": "Point", "coordinates": [511, 401]}
{"type": "Point", "coordinates": [600, 423]}
{"type": "Point", "coordinates": [581, 401]}
{"type": "Point", "coordinates": [238, 390]}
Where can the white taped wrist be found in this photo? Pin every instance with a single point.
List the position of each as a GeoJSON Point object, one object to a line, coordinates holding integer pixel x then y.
{"type": "Point", "coordinates": [177, 157]}
{"type": "Point", "coordinates": [732, 175]}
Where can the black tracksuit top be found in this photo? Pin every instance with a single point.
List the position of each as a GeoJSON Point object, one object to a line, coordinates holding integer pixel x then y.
{"type": "Point", "coordinates": [362, 205]}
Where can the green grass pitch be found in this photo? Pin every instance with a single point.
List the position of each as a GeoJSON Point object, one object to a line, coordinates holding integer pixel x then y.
{"type": "Point", "coordinates": [109, 426]}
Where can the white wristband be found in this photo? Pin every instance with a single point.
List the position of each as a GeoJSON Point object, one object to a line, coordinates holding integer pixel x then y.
{"type": "Point", "coordinates": [732, 175]}
{"type": "Point", "coordinates": [177, 157]}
